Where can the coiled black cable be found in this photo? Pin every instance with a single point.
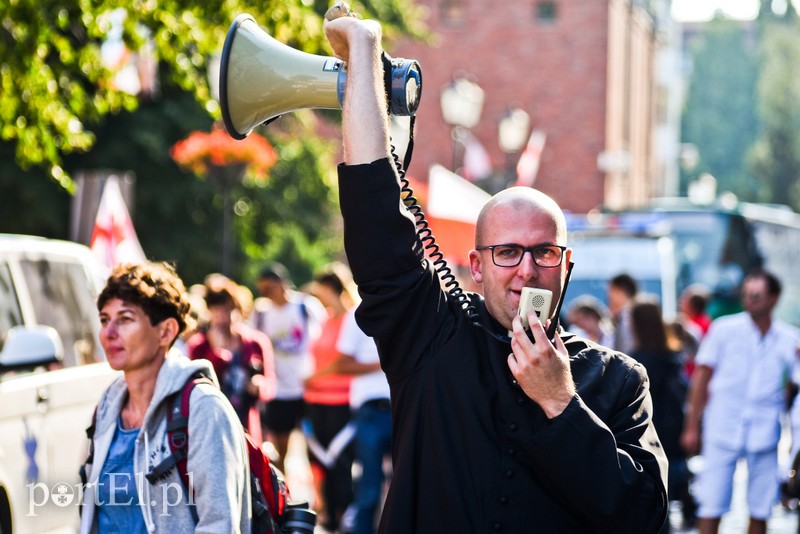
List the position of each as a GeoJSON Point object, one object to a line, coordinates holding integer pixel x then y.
{"type": "Point", "coordinates": [425, 233]}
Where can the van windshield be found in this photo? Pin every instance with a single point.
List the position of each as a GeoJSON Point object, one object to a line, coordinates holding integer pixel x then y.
{"type": "Point", "coordinates": [60, 299]}
{"type": "Point", "coordinates": [10, 313]}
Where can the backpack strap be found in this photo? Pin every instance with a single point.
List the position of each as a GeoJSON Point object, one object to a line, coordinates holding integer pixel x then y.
{"type": "Point", "coordinates": [178, 438]}
{"type": "Point", "coordinates": [90, 432]}
{"type": "Point", "coordinates": [178, 426]}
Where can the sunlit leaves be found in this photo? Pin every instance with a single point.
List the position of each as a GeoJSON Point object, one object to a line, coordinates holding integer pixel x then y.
{"type": "Point", "coordinates": [774, 159]}
{"type": "Point", "coordinates": [53, 78]}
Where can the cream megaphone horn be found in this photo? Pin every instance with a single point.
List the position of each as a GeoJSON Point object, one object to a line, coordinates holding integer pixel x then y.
{"type": "Point", "coordinates": [262, 78]}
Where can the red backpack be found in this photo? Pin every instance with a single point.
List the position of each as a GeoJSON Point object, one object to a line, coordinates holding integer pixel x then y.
{"type": "Point", "coordinates": [273, 510]}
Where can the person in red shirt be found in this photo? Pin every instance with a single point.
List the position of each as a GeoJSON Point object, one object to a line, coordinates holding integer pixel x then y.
{"type": "Point", "coordinates": [694, 304]}
{"type": "Point", "coordinates": [327, 424]}
{"type": "Point", "coordinates": [695, 320]}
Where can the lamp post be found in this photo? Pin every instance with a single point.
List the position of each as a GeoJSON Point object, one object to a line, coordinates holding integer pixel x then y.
{"type": "Point", "coordinates": [512, 133]}
{"type": "Point", "coordinates": [462, 103]}
{"type": "Point", "coordinates": [226, 177]}
{"type": "Point", "coordinates": [224, 161]}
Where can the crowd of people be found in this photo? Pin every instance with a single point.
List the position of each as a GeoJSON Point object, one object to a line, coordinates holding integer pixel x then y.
{"type": "Point", "coordinates": [280, 363]}
{"type": "Point", "coordinates": [298, 360]}
{"type": "Point", "coordinates": [718, 387]}
{"type": "Point", "coordinates": [285, 360]}
{"type": "Point", "coordinates": [491, 425]}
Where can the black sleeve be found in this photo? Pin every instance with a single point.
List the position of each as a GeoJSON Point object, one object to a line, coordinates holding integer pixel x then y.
{"type": "Point", "coordinates": [579, 453]}
{"type": "Point", "coordinates": [380, 237]}
{"type": "Point", "coordinates": [403, 306]}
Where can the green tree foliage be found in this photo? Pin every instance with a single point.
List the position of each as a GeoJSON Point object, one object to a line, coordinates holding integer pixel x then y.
{"type": "Point", "coordinates": [741, 109]}
{"type": "Point", "coordinates": [54, 88]}
{"type": "Point", "coordinates": [177, 216]}
{"type": "Point", "coordinates": [287, 216]}
{"type": "Point", "coordinates": [60, 112]}
{"type": "Point", "coordinates": [719, 117]}
{"type": "Point", "coordinates": [292, 212]}
{"type": "Point", "coordinates": [774, 159]}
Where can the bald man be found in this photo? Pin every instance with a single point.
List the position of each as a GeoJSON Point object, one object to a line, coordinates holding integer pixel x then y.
{"type": "Point", "coordinates": [492, 432]}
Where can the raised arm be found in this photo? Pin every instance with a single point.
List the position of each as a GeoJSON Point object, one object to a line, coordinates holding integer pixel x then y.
{"type": "Point", "coordinates": [365, 119]}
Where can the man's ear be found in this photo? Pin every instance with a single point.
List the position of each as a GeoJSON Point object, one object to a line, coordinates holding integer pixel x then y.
{"type": "Point", "coordinates": [475, 266]}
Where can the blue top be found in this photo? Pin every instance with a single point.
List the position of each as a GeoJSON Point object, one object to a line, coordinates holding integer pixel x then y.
{"type": "Point", "coordinates": [117, 499]}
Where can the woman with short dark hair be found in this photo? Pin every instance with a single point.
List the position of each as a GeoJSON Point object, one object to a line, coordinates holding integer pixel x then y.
{"type": "Point", "coordinates": [142, 311]}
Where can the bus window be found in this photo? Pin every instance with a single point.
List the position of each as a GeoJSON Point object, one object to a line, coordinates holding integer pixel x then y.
{"type": "Point", "coordinates": [715, 249]}
{"type": "Point", "coordinates": [650, 260]}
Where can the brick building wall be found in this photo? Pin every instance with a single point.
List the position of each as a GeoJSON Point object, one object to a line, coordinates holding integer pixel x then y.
{"type": "Point", "coordinates": [583, 75]}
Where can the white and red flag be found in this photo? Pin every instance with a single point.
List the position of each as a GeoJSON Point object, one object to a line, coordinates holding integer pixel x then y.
{"type": "Point", "coordinates": [477, 163]}
{"type": "Point", "coordinates": [114, 239]}
{"type": "Point", "coordinates": [531, 157]}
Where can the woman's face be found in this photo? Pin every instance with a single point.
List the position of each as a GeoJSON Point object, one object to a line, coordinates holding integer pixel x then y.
{"type": "Point", "coordinates": [130, 342]}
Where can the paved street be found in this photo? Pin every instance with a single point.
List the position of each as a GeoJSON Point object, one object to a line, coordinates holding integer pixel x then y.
{"type": "Point", "coordinates": [298, 472]}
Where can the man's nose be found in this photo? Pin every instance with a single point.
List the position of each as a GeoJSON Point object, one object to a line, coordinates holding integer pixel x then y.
{"type": "Point", "coordinates": [527, 267]}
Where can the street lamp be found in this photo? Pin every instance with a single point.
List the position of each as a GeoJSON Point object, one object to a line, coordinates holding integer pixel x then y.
{"type": "Point", "coordinates": [226, 177]}
{"type": "Point", "coordinates": [461, 102]}
{"type": "Point", "coordinates": [512, 133]}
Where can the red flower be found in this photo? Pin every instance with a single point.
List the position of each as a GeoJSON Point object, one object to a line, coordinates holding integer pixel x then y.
{"type": "Point", "coordinates": [202, 150]}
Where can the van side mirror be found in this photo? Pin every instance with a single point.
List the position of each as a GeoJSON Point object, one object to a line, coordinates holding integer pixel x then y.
{"type": "Point", "coordinates": [28, 347]}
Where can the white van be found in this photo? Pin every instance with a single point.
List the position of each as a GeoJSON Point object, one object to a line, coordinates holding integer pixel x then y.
{"type": "Point", "coordinates": [52, 372]}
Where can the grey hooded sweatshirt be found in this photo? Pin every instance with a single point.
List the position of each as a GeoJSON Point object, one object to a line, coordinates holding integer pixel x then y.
{"type": "Point", "coordinates": [217, 462]}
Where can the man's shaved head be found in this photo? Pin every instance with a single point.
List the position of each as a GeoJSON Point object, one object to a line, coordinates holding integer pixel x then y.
{"type": "Point", "coordinates": [519, 198]}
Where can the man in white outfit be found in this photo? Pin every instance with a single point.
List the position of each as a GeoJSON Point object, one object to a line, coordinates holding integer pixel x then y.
{"type": "Point", "coordinates": [738, 389]}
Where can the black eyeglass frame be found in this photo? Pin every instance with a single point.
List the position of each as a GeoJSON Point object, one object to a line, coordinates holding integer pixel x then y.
{"type": "Point", "coordinates": [524, 250]}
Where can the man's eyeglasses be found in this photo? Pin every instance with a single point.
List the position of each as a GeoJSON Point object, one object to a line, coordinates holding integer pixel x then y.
{"type": "Point", "coordinates": [755, 297]}
{"type": "Point", "coordinates": [510, 255]}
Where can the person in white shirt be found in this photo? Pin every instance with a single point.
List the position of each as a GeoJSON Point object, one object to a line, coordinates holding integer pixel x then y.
{"type": "Point", "coordinates": [292, 321]}
{"type": "Point", "coordinates": [739, 388]}
{"type": "Point", "coordinates": [369, 400]}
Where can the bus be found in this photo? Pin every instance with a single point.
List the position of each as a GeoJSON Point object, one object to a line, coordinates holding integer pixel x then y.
{"type": "Point", "coordinates": [601, 254]}
{"type": "Point", "coordinates": [713, 245]}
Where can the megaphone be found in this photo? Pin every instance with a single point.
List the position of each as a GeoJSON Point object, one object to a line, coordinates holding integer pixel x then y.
{"type": "Point", "coordinates": [261, 78]}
